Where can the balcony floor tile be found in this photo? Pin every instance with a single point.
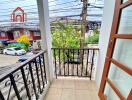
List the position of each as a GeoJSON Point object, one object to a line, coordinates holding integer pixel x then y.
{"type": "Point", "coordinates": [72, 89]}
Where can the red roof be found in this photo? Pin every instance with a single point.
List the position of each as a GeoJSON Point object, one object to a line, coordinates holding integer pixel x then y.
{"type": "Point", "coordinates": [18, 8]}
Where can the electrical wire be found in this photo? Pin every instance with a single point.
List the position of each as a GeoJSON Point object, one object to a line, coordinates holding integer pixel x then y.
{"type": "Point", "coordinates": [63, 3]}
{"type": "Point", "coordinates": [10, 1]}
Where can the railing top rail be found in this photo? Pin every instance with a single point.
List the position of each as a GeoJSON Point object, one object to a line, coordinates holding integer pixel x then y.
{"type": "Point", "coordinates": [19, 66]}
{"type": "Point", "coordinates": [78, 48]}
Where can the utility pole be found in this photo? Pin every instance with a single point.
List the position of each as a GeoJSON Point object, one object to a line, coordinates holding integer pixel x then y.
{"type": "Point", "coordinates": [83, 25]}
{"type": "Point", "coordinates": [84, 22]}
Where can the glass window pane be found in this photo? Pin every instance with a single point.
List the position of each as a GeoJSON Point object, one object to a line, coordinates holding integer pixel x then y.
{"type": "Point", "coordinates": [123, 52]}
{"type": "Point", "coordinates": [121, 80]}
{"type": "Point", "coordinates": [123, 1]}
{"type": "Point", "coordinates": [125, 25]}
{"type": "Point", "coordinates": [109, 93]}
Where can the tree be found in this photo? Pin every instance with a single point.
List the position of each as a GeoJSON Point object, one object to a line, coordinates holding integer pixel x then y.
{"type": "Point", "coordinates": [66, 36]}
{"type": "Point", "coordinates": [24, 39]}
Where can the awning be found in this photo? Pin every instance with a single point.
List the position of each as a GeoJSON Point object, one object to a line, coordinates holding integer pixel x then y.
{"type": "Point", "coordinates": [12, 41]}
{"type": "Point", "coordinates": [3, 40]}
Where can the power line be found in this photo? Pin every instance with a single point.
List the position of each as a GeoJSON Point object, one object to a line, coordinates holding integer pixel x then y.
{"type": "Point", "coordinates": [63, 3]}
{"type": "Point", "coordinates": [35, 6]}
{"type": "Point", "coordinates": [78, 15]}
{"type": "Point", "coordinates": [68, 6]}
{"type": "Point", "coordinates": [64, 9]}
{"type": "Point", "coordinates": [53, 1]}
{"type": "Point", "coordinates": [92, 15]}
{"type": "Point", "coordinates": [59, 11]}
{"type": "Point", "coordinates": [51, 9]}
{"type": "Point", "coordinates": [11, 1]}
{"type": "Point", "coordinates": [20, 6]}
{"type": "Point", "coordinates": [52, 12]}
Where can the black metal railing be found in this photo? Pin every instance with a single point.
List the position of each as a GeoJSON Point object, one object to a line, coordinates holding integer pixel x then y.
{"type": "Point", "coordinates": [26, 81]}
{"type": "Point", "coordinates": [75, 62]}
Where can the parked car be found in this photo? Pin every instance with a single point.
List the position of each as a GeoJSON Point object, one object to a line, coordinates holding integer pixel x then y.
{"type": "Point", "coordinates": [28, 56]}
{"type": "Point", "coordinates": [25, 57]}
{"type": "Point", "coordinates": [14, 51]}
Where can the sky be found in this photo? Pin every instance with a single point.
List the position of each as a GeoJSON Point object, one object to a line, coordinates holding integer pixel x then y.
{"type": "Point", "coordinates": [56, 8]}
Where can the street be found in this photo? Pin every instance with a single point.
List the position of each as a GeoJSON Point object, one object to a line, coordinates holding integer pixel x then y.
{"type": "Point", "coordinates": [6, 60]}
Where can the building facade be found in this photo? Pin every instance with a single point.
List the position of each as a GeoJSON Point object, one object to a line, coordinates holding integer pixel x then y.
{"type": "Point", "coordinates": [13, 34]}
{"type": "Point", "coordinates": [18, 28]}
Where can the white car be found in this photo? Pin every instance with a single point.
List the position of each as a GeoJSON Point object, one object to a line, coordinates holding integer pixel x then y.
{"type": "Point", "coordinates": [14, 51]}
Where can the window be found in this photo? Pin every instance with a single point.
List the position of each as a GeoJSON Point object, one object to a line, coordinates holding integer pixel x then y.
{"type": "Point", "coordinates": [2, 34]}
{"type": "Point", "coordinates": [17, 48]}
{"type": "Point", "coordinates": [16, 34]}
{"type": "Point", "coordinates": [117, 68]}
{"type": "Point", "coordinates": [26, 32]}
{"type": "Point", "coordinates": [9, 49]}
{"type": "Point", "coordinates": [37, 34]}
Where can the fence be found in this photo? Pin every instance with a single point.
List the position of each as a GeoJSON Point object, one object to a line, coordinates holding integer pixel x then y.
{"type": "Point", "coordinates": [75, 62]}
{"type": "Point", "coordinates": [26, 81]}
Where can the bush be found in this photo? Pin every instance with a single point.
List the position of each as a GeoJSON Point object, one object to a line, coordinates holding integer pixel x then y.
{"type": "Point", "coordinates": [94, 39]}
{"type": "Point", "coordinates": [18, 45]}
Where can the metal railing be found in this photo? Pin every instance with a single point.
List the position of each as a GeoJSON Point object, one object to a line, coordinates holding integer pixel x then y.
{"type": "Point", "coordinates": [26, 81]}
{"type": "Point", "coordinates": [75, 62]}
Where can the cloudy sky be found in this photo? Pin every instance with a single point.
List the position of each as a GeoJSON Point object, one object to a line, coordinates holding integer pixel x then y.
{"type": "Point", "coordinates": [56, 8]}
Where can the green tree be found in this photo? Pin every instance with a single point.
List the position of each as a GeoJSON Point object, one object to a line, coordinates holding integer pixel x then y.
{"type": "Point", "coordinates": [93, 39]}
{"type": "Point", "coordinates": [66, 36]}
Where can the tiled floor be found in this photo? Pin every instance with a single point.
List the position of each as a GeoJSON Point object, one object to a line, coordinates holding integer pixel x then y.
{"type": "Point", "coordinates": [72, 89]}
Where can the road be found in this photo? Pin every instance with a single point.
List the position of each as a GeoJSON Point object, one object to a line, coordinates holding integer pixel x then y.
{"type": "Point", "coordinates": [6, 60]}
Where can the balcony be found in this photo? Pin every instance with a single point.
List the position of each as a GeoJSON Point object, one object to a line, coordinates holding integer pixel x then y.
{"type": "Point", "coordinates": [75, 62]}
{"type": "Point", "coordinates": [73, 77]}
{"type": "Point", "coordinates": [73, 88]}
{"type": "Point", "coordinates": [26, 81]}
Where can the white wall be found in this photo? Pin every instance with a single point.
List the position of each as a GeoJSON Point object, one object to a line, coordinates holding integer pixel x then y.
{"type": "Point", "coordinates": [104, 37]}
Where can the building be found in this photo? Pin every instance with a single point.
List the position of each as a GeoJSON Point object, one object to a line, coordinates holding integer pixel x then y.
{"type": "Point", "coordinates": [91, 25]}
{"type": "Point", "coordinates": [17, 28]}
{"type": "Point", "coordinates": [3, 35]}
{"type": "Point", "coordinates": [13, 34]}
{"type": "Point", "coordinates": [18, 15]}
{"type": "Point", "coordinates": [114, 64]}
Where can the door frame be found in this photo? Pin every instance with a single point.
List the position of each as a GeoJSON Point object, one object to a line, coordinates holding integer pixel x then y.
{"type": "Point", "coordinates": [108, 60]}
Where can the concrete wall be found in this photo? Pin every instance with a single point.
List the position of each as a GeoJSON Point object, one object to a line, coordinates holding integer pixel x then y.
{"type": "Point", "coordinates": [104, 37]}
